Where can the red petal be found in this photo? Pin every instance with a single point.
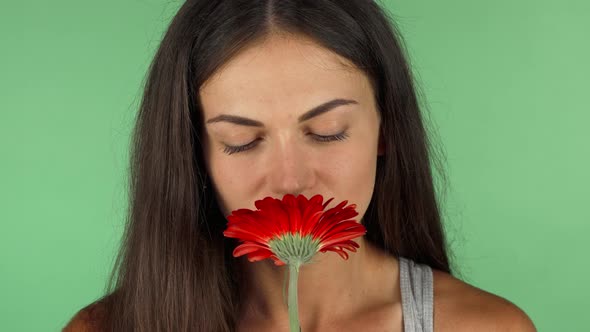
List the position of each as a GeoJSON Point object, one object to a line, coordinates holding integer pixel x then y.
{"type": "Point", "coordinates": [260, 226]}
{"type": "Point", "coordinates": [245, 234]}
{"type": "Point", "coordinates": [248, 247]}
{"type": "Point", "coordinates": [345, 226]}
{"type": "Point", "coordinates": [273, 211]}
{"type": "Point", "coordinates": [350, 245]}
{"type": "Point", "coordinates": [259, 255]}
{"type": "Point", "coordinates": [340, 238]}
{"type": "Point", "coordinates": [311, 213]}
{"type": "Point", "coordinates": [338, 209]}
{"type": "Point", "coordinates": [337, 250]}
{"type": "Point", "coordinates": [277, 261]}
{"type": "Point", "coordinates": [343, 214]}
{"type": "Point", "coordinates": [317, 199]}
{"type": "Point", "coordinates": [326, 223]}
{"type": "Point", "coordinates": [292, 207]}
{"type": "Point", "coordinates": [310, 222]}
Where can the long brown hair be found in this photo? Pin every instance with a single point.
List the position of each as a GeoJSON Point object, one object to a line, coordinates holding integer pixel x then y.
{"type": "Point", "coordinates": [174, 271]}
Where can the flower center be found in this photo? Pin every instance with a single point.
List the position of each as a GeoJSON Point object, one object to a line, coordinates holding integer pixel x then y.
{"type": "Point", "coordinates": [294, 249]}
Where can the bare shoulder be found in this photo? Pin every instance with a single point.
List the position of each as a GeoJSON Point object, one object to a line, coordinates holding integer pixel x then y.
{"type": "Point", "coordinates": [459, 306]}
{"type": "Point", "coordinates": [87, 319]}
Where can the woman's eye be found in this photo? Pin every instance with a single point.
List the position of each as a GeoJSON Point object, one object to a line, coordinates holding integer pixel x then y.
{"type": "Point", "coordinates": [338, 137]}
{"type": "Point", "coordinates": [229, 149]}
{"type": "Point", "coordinates": [319, 138]}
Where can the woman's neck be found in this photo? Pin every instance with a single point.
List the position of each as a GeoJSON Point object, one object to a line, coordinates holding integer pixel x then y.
{"type": "Point", "coordinates": [328, 288]}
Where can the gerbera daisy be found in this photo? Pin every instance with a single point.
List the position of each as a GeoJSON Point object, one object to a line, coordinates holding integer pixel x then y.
{"type": "Point", "coordinates": [291, 231]}
{"type": "Point", "coordinates": [294, 229]}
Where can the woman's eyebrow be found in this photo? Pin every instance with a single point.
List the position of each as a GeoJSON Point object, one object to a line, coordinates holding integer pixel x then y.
{"type": "Point", "coordinates": [323, 108]}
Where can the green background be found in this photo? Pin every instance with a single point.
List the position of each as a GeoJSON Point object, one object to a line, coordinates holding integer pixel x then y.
{"type": "Point", "coordinates": [505, 83]}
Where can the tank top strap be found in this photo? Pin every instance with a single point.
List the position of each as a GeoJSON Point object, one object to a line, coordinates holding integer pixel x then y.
{"type": "Point", "coordinates": [416, 287]}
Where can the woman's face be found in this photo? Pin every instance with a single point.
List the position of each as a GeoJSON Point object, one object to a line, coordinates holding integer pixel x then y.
{"type": "Point", "coordinates": [274, 101]}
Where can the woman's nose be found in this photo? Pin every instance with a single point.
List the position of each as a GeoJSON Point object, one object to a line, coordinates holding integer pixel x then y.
{"type": "Point", "coordinates": [290, 170]}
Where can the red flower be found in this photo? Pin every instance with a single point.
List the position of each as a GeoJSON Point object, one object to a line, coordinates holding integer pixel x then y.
{"type": "Point", "coordinates": [294, 229]}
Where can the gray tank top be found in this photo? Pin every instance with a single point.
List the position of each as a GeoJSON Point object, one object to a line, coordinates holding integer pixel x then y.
{"type": "Point", "coordinates": [417, 295]}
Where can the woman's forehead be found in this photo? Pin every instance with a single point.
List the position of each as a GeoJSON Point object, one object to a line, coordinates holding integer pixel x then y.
{"type": "Point", "coordinates": [280, 72]}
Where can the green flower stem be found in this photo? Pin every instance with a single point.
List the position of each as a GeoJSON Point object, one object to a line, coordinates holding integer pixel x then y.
{"type": "Point", "coordinates": [293, 310]}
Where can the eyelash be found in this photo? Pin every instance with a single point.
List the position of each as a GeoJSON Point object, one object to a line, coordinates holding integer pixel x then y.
{"type": "Point", "coordinates": [319, 138]}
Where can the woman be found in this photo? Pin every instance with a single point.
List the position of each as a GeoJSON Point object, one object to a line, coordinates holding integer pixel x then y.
{"type": "Point", "coordinates": [248, 99]}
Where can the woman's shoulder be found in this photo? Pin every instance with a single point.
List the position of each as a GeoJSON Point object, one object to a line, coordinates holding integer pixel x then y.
{"type": "Point", "coordinates": [88, 319]}
{"type": "Point", "coordinates": [459, 306]}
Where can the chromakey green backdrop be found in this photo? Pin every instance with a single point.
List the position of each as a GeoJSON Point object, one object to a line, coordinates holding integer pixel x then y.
{"type": "Point", "coordinates": [504, 83]}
